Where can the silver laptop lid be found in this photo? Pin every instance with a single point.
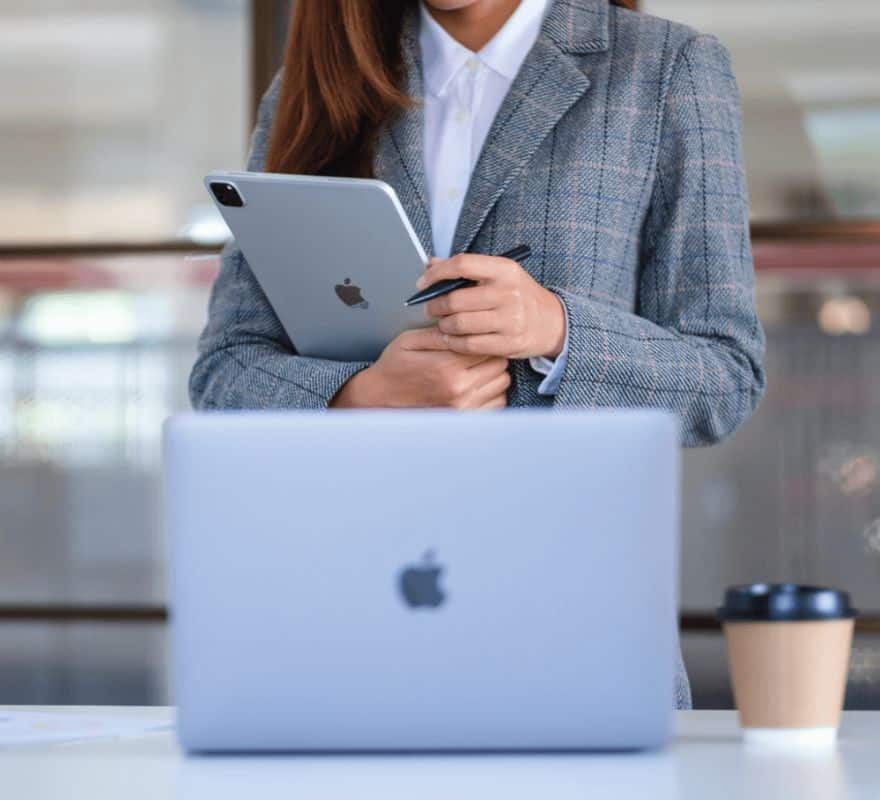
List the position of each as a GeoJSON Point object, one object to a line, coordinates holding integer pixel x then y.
{"type": "Point", "coordinates": [423, 580]}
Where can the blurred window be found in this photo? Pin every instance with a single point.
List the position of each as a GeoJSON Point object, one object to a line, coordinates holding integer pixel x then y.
{"type": "Point", "coordinates": [809, 72]}
{"type": "Point", "coordinates": [112, 112]}
{"type": "Point", "coordinates": [94, 356]}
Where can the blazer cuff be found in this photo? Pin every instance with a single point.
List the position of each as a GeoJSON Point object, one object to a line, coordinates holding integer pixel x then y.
{"type": "Point", "coordinates": [552, 369]}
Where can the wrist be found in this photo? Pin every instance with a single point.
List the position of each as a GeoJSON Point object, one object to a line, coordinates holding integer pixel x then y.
{"type": "Point", "coordinates": [555, 328]}
{"type": "Point", "coordinates": [357, 392]}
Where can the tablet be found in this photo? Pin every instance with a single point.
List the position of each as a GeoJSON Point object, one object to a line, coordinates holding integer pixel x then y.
{"type": "Point", "coordinates": [336, 257]}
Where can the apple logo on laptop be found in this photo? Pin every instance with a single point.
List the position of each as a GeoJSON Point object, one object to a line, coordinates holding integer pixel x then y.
{"type": "Point", "coordinates": [351, 294]}
{"type": "Point", "coordinates": [419, 583]}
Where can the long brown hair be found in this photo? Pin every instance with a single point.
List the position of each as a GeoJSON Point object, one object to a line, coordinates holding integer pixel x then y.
{"type": "Point", "coordinates": [340, 86]}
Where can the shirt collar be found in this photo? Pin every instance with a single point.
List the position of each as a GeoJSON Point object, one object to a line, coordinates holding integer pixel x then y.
{"type": "Point", "coordinates": [443, 56]}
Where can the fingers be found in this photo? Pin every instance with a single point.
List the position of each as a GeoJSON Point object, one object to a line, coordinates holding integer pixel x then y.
{"type": "Point", "coordinates": [470, 361]}
{"type": "Point", "coordinates": [488, 371]}
{"type": "Point", "coordinates": [423, 339]}
{"type": "Point", "coordinates": [489, 344]}
{"type": "Point", "coordinates": [433, 339]}
{"type": "Point", "coordinates": [500, 364]}
{"type": "Point", "coordinates": [475, 298]}
{"type": "Point", "coordinates": [471, 322]}
{"type": "Point", "coordinates": [491, 392]}
{"type": "Point", "coordinates": [466, 265]}
{"type": "Point", "coordinates": [472, 387]}
{"type": "Point", "coordinates": [495, 403]}
{"type": "Point", "coordinates": [430, 342]}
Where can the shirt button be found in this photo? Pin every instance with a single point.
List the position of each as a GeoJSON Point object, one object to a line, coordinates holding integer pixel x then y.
{"type": "Point", "coordinates": [453, 193]}
{"type": "Point", "coordinates": [461, 115]}
{"type": "Point", "coordinates": [471, 64]}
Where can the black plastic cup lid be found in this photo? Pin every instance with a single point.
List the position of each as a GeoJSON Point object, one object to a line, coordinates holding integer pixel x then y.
{"type": "Point", "coordinates": [780, 602]}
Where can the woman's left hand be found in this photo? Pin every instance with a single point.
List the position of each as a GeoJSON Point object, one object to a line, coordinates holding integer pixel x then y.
{"type": "Point", "coordinates": [508, 313]}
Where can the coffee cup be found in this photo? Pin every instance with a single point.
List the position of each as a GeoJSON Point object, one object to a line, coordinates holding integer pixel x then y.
{"type": "Point", "coordinates": [788, 648]}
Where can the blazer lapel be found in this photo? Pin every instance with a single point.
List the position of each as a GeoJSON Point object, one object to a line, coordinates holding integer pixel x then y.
{"type": "Point", "coordinates": [400, 160]}
{"type": "Point", "coordinates": [549, 83]}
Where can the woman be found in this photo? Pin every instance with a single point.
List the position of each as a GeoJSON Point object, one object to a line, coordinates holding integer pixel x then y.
{"type": "Point", "coordinates": [606, 140]}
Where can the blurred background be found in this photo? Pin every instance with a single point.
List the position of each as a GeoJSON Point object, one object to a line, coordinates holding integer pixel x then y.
{"type": "Point", "coordinates": [114, 110]}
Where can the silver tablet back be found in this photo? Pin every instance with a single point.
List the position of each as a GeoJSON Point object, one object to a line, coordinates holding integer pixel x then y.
{"type": "Point", "coordinates": [336, 257]}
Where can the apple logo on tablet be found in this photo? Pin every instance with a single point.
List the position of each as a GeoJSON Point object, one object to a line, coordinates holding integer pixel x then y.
{"type": "Point", "coordinates": [351, 294]}
{"type": "Point", "coordinates": [419, 583]}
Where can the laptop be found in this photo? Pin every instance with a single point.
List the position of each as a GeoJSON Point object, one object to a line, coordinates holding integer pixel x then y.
{"type": "Point", "coordinates": [424, 580]}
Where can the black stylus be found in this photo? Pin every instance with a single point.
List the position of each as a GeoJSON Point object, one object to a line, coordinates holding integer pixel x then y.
{"type": "Point", "coordinates": [520, 253]}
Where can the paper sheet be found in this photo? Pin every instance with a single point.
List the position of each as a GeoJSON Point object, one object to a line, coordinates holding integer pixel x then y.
{"type": "Point", "coordinates": [35, 727]}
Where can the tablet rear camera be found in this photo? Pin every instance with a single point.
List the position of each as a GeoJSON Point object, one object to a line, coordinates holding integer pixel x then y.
{"type": "Point", "coordinates": [227, 195]}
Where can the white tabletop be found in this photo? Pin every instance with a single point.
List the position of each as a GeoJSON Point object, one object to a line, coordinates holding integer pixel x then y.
{"type": "Point", "coordinates": [706, 761]}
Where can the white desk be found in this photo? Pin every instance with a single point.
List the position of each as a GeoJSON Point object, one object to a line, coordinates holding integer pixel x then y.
{"type": "Point", "coordinates": [706, 762]}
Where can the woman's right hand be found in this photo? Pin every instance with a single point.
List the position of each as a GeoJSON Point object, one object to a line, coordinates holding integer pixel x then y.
{"type": "Point", "coordinates": [417, 370]}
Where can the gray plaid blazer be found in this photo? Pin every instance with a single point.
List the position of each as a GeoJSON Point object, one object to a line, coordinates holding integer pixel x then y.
{"type": "Point", "coordinates": [616, 155]}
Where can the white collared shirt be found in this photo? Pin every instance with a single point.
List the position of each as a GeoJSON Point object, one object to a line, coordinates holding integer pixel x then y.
{"type": "Point", "coordinates": [463, 92]}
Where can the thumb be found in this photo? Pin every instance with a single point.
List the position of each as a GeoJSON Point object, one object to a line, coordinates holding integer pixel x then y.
{"type": "Point", "coordinates": [424, 339]}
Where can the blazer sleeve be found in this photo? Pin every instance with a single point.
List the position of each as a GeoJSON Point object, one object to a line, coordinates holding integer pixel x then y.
{"type": "Point", "coordinates": [245, 359]}
{"type": "Point", "coordinates": [694, 345]}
